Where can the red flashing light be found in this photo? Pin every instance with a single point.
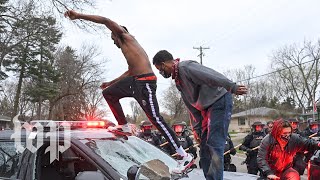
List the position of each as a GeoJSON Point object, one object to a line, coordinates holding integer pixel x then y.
{"type": "Point", "coordinates": [71, 124]}
{"type": "Point", "coordinates": [99, 124]}
{"type": "Point", "coordinates": [102, 123]}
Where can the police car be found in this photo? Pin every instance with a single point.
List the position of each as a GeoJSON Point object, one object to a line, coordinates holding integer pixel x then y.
{"type": "Point", "coordinates": [51, 150]}
{"type": "Point", "coordinates": [314, 166]}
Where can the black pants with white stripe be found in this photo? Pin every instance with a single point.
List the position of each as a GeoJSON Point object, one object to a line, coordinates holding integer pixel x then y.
{"type": "Point", "coordinates": [144, 91]}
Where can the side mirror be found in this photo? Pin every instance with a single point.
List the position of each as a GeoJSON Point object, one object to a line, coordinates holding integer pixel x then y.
{"type": "Point", "coordinates": [85, 175]}
{"type": "Point", "coordinates": [133, 172]}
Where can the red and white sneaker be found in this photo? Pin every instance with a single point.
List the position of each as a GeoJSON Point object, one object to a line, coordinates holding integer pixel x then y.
{"type": "Point", "coordinates": [185, 163]}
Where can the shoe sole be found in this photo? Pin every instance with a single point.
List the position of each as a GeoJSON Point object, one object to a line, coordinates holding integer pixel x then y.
{"type": "Point", "coordinates": [186, 168]}
{"type": "Point", "coordinates": [121, 133]}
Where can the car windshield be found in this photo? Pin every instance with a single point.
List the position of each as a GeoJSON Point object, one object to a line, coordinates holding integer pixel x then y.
{"type": "Point", "coordinates": [121, 154]}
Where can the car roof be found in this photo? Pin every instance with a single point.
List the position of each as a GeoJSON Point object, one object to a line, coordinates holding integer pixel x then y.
{"type": "Point", "coordinates": [198, 174]}
{"type": "Point", "coordinates": [90, 133]}
{"type": "Point", "coordinates": [6, 134]}
{"type": "Point", "coordinates": [75, 134]}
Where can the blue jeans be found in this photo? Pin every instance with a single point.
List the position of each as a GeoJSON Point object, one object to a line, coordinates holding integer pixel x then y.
{"type": "Point", "coordinates": [214, 137]}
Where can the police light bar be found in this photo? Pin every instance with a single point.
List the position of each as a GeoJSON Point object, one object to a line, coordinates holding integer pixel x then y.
{"type": "Point", "coordinates": [46, 124]}
{"type": "Point", "coordinates": [95, 123]}
{"type": "Point", "coordinates": [87, 124]}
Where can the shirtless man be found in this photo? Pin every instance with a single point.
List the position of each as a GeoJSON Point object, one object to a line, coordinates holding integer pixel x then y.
{"type": "Point", "coordinates": [138, 82]}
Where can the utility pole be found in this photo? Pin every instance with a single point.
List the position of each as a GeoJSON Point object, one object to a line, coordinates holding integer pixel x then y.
{"type": "Point", "coordinates": [201, 52]}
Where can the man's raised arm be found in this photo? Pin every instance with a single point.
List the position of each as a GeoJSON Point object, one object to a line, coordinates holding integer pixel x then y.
{"type": "Point", "coordinates": [113, 26]}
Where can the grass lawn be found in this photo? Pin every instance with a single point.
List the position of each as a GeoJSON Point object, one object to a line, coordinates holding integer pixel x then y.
{"type": "Point", "coordinates": [233, 133]}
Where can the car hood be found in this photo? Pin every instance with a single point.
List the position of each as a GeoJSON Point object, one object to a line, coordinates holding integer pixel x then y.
{"type": "Point", "coordinates": [198, 175]}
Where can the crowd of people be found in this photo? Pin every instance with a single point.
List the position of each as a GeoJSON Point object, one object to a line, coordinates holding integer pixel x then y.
{"type": "Point", "coordinates": [275, 150]}
{"type": "Point", "coordinates": [207, 94]}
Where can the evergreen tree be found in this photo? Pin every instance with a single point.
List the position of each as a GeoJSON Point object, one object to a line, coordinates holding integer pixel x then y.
{"type": "Point", "coordinates": [44, 76]}
{"type": "Point", "coordinates": [32, 58]}
{"type": "Point", "coordinates": [3, 10]}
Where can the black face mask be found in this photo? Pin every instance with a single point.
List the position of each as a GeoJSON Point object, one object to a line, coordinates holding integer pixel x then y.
{"type": "Point", "coordinates": [285, 138]}
{"type": "Point", "coordinates": [164, 74]}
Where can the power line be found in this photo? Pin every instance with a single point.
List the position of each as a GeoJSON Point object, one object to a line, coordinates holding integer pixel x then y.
{"type": "Point", "coordinates": [201, 52]}
{"type": "Point", "coordinates": [266, 73]}
{"type": "Point", "coordinates": [278, 70]}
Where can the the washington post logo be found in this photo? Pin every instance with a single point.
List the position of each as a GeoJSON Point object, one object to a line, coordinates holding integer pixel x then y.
{"type": "Point", "coordinates": [35, 136]}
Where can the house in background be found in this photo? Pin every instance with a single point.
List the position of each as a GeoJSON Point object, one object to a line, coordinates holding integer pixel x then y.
{"type": "Point", "coordinates": [4, 122]}
{"type": "Point", "coordinates": [242, 121]}
{"type": "Point", "coordinates": [312, 112]}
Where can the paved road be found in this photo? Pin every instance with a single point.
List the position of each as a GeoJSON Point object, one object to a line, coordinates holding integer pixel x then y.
{"type": "Point", "coordinates": [237, 159]}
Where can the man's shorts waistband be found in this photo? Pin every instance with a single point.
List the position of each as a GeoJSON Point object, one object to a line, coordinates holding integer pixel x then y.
{"type": "Point", "coordinates": [146, 77]}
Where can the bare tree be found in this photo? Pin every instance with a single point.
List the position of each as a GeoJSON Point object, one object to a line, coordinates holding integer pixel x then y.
{"type": "Point", "coordinates": [13, 11]}
{"type": "Point", "coordinates": [10, 32]}
{"type": "Point", "coordinates": [92, 102]}
{"type": "Point", "coordinates": [79, 73]}
{"type": "Point", "coordinates": [58, 7]}
{"type": "Point", "coordinates": [298, 71]}
{"type": "Point", "coordinates": [137, 112]}
{"type": "Point", "coordinates": [243, 76]}
{"type": "Point", "coordinates": [7, 98]}
{"type": "Point", "coordinates": [173, 103]}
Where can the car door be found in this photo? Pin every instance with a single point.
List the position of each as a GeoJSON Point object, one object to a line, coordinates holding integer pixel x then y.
{"type": "Point", "coordinates": [95, 161]}
{"type": "Point", "coordinates": [26, 167]}
{"type": "Point", "coordinates": [72, 163]}
{"type": "Point", "coordinates": [9, 159]}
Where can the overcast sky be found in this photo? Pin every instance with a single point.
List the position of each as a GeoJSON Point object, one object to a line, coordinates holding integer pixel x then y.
{"type": "Point", "coordinates": [238, 32]}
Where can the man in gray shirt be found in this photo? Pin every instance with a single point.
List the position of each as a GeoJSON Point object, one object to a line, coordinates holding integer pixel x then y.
{"type": "Point", "coordinates": [207, 95]}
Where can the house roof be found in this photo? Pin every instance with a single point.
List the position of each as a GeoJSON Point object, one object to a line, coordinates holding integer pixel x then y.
{"type": "Point", "coordinates": [4, 118]}
{"type": "Point", "coordinates": [311, 113]}
{"type": "Point", "coordinates": [261, 111]}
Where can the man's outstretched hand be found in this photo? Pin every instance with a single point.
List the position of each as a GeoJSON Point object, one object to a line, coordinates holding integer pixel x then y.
{"type": "Point", "coordinates": [241, 90]}
{"type": "Point", "coordinates": [71, 14]}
